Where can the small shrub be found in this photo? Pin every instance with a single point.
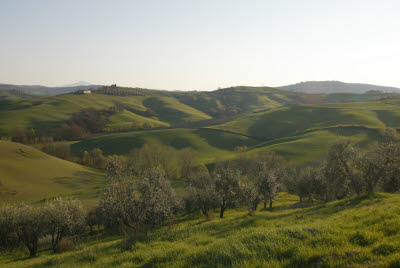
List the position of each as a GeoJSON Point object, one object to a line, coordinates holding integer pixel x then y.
{"type": "Point", "coordinates": [64, 245]}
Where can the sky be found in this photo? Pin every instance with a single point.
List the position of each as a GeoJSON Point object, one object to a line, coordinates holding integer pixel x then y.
{"type": "Point", "coordinates": [199, 45]}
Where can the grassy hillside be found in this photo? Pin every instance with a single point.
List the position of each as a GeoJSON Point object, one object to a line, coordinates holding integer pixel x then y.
{"type": "Point", "coordinates": [289, 121]}
{"type": "Point", "coordinates": [209, 144]}
{"type": "Point", "coordinates": [213, 144]}
{"type": "Point", "coordinates": [355, 232]}
{"type": "Point", "coordinates": [27, 174]}
{"type": "Point", "coordinates": [144, 109]}
{"type": "Point", "coordinates": [313, 146]}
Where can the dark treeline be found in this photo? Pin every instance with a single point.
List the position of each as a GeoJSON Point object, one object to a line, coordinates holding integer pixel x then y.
{"type": "Point", "coordinates": [139, 197]}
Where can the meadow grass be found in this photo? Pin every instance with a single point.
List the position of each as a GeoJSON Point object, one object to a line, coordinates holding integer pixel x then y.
{"type": "Point", "coordinates": [358, 231]}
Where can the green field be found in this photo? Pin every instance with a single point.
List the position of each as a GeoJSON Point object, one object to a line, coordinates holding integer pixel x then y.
{"type": "Point", "coordinates": [29, 175]}
{"type": "Point", "coordinates": [354, 232]}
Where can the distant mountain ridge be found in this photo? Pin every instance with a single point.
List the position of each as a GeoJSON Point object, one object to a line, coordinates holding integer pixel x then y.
{"type": "Point", "coordinates": [329, 87]}
{"type": "Point", "coordinates": [79, 83]}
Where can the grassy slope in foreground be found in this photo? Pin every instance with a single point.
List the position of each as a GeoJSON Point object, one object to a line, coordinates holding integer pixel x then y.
{"type": "Point", "coordinates": [352, 232]}
{"type": "Point", "coordinates": [289, 121]}
{"type": "Point", "coordinates": [27, 174]}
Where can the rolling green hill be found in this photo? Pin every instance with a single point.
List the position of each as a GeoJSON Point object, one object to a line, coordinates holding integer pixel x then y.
{"type": "Point", "coordinates": [289, 121]}
{"type": "Point", "coordinates": [213, 144]}
{"type": "Point", "coordinates": [49, 113]}
{"type": "Point", "coordinates": [146, 109]}
{"type": "Point", "coordinates": [27, 174]}
{"type": "Point", "coordinates": [209, 144]}
{"type": "Point", "coordinates": [354, 232]}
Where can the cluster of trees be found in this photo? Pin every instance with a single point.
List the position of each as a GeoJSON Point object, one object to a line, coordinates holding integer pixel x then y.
{"type": "Point", "coordinates": [84, 122]}
{"type": "Point", "coordinates": [29, 136]}
{"type": "Point", "coordinates": [58, 149]}
{"type": "Point", "coordinates": [26, 225]}
{"type": "Point", "coordinates": [349, 171]}
{"type": "Point", "coordinates": [247, 182]}
{"type": "Point", "coordinates": [94, 158]}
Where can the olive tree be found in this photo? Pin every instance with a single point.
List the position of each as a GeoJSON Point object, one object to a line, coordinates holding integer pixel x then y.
{"type": "Point", "coordinates": [379, 165]}
{"type": "Point", "coordinates": [227, 181]}
{"type": "Point", "coordinates": [21, 225]}
{"type": "Point", "coordinates": [120, 207]}
{"type": "Point", "coordinates": [268, 184]}
{"type": "Point", "coordinates": [307, 182]}
{"type": "Point", "coordinates": [340, 173]}
{"type": "Point", "coordinates": [201, 193]}
{"type": "Point", "coordinates": [94, 217]}
{"type": "Point", "coordinates": [29, 227]}
{"type": "Point", "coordinates": [158, 200]}
{"type": "Point", "coordinates": [8, 234]}
{"type": "Point", "coordinates": [250, 193]}
{"type": "Point", "coordinates": [64, 217]}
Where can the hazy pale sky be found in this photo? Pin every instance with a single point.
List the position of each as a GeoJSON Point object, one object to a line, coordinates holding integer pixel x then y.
{"type": "Point", "coordinates": [199, 45]}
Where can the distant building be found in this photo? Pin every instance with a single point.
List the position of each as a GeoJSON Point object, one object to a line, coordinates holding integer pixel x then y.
{"type": "Point", "coordinates": [87, 92]}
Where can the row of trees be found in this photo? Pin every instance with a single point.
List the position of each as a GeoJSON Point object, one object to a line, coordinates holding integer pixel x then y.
{"type": "Point", "coordinates": [228, 187]}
